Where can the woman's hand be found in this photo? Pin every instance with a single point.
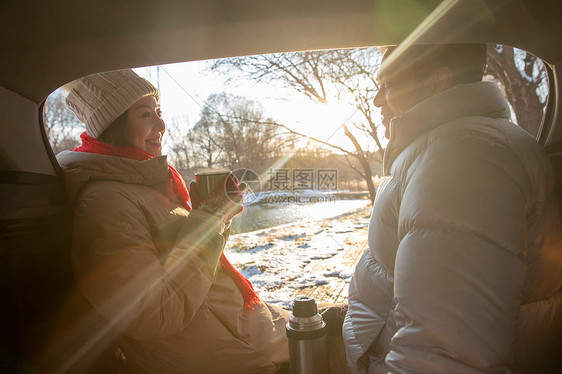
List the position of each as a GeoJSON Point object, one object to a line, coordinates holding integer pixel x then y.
{"type": "Point", "coordinates": [224, 202]}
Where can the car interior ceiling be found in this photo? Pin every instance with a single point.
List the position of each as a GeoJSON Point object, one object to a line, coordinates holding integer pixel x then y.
{"type": "Point", "coordinates": [49, 320]}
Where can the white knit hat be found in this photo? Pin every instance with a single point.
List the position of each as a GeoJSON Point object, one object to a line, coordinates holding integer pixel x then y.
{"type": "Point", "coordinates": [99, 99]}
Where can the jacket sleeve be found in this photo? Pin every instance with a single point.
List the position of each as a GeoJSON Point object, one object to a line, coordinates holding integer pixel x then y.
{"type": "Point", "coordinates": [460, 266]}
{"type": "Point", "coordinates": [119, 271]}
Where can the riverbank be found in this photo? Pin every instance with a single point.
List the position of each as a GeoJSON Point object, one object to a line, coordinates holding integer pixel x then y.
{"type": "Point", "coordinates": [313, 256]}
{"type": "Point", "coordinates": [262, 216]}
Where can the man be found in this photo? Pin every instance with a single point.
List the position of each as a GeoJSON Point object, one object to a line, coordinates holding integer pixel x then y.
{"type": "Point", "coordinates": [463, 273]}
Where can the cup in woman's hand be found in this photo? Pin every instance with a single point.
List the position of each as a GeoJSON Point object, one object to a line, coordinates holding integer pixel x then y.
{"type": "Point", "coordinates": [208, 180]}
{"type": "Point", "coordinates": [218, 192]}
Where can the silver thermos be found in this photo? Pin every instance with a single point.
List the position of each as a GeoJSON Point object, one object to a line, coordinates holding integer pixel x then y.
{"type": "Point", "coordinates": [308, 351]}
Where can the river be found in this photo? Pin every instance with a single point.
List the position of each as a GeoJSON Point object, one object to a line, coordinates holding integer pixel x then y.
{"type": "Point", "coordinates": [261, 216]}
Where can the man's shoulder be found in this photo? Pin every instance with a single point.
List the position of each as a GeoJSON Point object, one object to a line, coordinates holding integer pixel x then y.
{"type": "Point", "coordinates": [474, 127]}
{"type": "Point", "coordinates": [492, 142]}
{"type": "Point", "coordinates": [486, 132]}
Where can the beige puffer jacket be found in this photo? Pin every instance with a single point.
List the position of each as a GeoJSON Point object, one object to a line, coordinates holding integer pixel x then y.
{"type": "Point", "coordinates": [463, 273]}
{"type": "Point", "coordinates": [152, 270]}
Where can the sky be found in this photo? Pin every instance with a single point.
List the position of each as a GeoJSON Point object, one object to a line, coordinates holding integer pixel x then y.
{"type": "Point", "coordinates": [184, 88]}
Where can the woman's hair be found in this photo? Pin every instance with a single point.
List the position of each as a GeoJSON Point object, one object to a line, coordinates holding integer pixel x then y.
{"type": "Point", "coordinates": [114, 133]}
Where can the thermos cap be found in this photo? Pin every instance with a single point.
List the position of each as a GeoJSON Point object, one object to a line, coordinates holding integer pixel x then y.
{"type": "Point", "coordinates": [304, 306]}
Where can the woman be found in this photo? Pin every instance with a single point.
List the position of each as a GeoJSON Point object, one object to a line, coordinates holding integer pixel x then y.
{"type": "Point", "coordinates": [151, 266]}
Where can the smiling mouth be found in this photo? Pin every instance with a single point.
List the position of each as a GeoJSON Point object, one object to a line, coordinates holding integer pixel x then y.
{"type": "Point", "coordinates": [156, 141]}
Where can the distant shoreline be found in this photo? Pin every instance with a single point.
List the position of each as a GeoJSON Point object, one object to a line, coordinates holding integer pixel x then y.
{"type": "Point", "coordinates": [307, 196]}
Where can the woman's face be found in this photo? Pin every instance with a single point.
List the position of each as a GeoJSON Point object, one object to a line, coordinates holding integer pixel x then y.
{"type": "Point", "coordinates": [145, 128]}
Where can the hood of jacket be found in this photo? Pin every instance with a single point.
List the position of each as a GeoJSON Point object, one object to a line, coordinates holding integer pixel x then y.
{"type": "Point", "coordinates": [80, 168]}
{"type": "Point", "coordinates": [463, 100]}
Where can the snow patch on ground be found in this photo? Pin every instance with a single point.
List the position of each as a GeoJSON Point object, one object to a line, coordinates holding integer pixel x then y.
{"type": "Point", "coordinates": [281, 260]}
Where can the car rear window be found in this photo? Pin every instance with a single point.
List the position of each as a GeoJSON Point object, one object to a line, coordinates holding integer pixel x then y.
{"type": "Point", "coordinates": [301, 129]}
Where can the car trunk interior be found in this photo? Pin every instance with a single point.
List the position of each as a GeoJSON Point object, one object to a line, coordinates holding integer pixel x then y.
{"type": "Point", "coordinates": [47, 325]}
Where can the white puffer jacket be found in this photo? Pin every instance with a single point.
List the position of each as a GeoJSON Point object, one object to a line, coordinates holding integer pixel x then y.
{"type": "Point", "coordinates": [463, 273]}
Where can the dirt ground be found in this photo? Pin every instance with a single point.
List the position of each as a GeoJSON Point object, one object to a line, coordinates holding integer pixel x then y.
{"type": "Point", "coordinates": [354, 243]}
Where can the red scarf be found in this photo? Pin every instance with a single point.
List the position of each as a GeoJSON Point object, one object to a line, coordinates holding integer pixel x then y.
{"type": "Point", "coordinates": [177, 185]}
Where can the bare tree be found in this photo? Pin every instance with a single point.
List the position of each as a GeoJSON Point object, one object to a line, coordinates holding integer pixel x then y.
{"type": "Point", "coordinates": [180, 145]}
{"type": "Point", "coordinates": [524, 79]}
{"type": "Point", "coordinates": [323, 76]}
{"type": "Point", "coordinates": [363, 158]}
{"type": "Point", "coordinates": [303, 71]}
{"type": "Point", "coordinates": [204, 137]}
{"type": "Point", "coordinates": [61, 125]}
{"type": "Point", "coordinates": [233, 131]}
